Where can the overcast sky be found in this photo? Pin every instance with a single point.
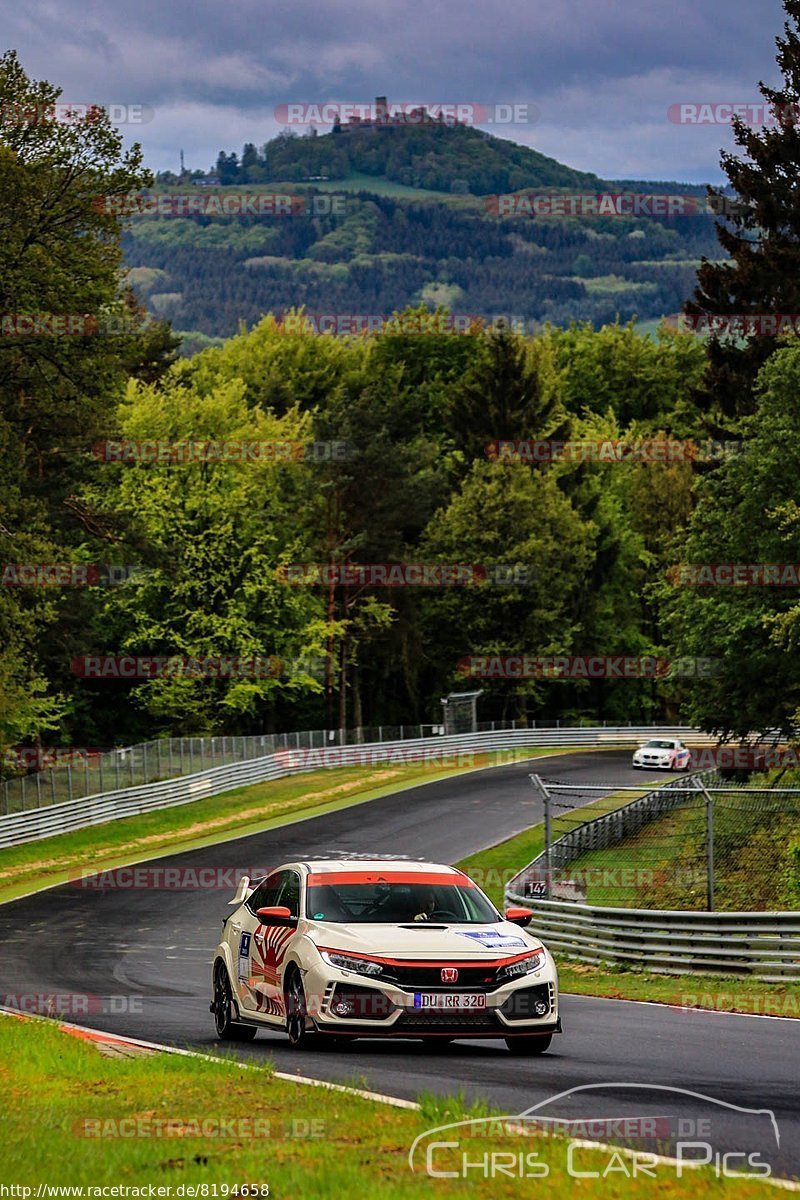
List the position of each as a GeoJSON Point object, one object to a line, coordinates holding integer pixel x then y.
{"type": "Point", "coordinates": [601, 74]}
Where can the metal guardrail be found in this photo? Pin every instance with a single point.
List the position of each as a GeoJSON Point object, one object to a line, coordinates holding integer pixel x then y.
{"type": "Point", "coordinates": [73, 773]}
{"type": "Point", "coordinates": [41, 822]}
{"type": "Point", "coordinates": [762, 944]}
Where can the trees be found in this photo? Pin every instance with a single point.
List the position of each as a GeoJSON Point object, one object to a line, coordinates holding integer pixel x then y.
{"type": "Point", "coordinates": [504, 513]}
{"type": "Point", "coordinates": [645, 380]}
{"type": "Point", "coordinates": [762, 275]}
{"type": "Point", "coordinates": [217, 534]}
{"type": "Point", "coordinates": [503, 396]}
{"type": "Point", "coordinates": [59, 262]}
{"type": "Point", "coordinates": [747, 512]}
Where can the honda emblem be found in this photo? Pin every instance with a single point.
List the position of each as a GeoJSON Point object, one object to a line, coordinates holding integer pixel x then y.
{"type": "Point", "coordinates": [449, 974]}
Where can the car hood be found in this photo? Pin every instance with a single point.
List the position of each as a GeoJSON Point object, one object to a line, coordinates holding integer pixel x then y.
{"type": "Point", "coordinates": [423, 940]}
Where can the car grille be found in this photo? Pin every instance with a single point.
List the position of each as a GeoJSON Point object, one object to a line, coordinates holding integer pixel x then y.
{"type": "Point", "coordinates": [445, 1022]}
{"type": "Point", "coordinates": [470, 979]}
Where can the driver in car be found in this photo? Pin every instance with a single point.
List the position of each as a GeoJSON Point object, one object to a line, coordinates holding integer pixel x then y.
{"type": "Point", "coordinates": [428, 906]}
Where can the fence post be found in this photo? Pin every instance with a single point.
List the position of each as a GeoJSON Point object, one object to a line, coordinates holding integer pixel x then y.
{"type": "Point", "coordinates": [709, 845]}
{"type": "Point", "coordinates": [543, 792]}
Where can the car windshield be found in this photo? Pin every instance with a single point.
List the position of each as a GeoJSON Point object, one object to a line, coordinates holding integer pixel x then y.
{"type": "Point", "coordinates": [660, 746]}
{"type": "Point", "coordinates": [356, 902]}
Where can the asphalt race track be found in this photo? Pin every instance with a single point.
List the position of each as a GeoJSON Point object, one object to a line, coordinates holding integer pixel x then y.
{"type": "Point", "coordinates": [149, 953]}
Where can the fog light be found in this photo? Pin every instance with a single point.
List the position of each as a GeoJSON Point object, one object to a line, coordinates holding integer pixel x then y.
{"type": "Point", "coordinates": [540, 1008]}
{"type": "Point", "coordinates": [344, 1008]}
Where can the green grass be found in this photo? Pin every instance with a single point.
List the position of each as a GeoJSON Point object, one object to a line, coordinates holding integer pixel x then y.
{"type": "Point", "coordinates": [356, 182]}
{"type": "Point", "coordinates": [233, 814]}
{"type": "Point", "coordinates": [722, 993]}
{"type": "Point", "coordinates": [664, 864]}
{"type": "Point", "coordinates": [611, 285]}
{"type": "Point", "coordinates": [374, 184]}
{"type": "Point", "coordinates": [66, 1108]}
{"type": "Point", "coordinates": [493, 868]}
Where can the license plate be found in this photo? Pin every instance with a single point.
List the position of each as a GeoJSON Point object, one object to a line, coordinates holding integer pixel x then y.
{"type": "Point", "coordinates": [454, 1000]}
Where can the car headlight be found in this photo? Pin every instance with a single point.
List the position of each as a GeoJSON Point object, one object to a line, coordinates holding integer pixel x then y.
{"type": "Point", "coordinates": [349, 962]}
{"type": "Point", "coordinates": [523, 966]}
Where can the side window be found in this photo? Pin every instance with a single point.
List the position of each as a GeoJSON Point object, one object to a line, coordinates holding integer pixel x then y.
{"type": "Point", "coordinates": [289, 894]}
{"type": "Point", "coordinates": [266, 894]}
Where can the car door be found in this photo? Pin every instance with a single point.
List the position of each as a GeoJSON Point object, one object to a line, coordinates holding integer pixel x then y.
{"type": "Point", "coordinates": [270, 942]}
{"type": "Point", "coordinates": [244, 925]}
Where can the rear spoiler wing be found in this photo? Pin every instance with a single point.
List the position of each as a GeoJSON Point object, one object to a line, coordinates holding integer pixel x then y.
{"type": "Point", "coordinates": [242, 892]}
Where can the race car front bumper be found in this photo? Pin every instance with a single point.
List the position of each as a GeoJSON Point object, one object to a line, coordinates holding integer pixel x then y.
{"type": "Point", "coordinates": [344, 1002]}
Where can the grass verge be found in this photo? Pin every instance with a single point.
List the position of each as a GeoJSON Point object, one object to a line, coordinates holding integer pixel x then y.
{"type": "Point", "coordinates": [492, 868]}
{"type": "Point", "coordinates": [261, 806]}
{"type": "Point", "coordinates": [73, 1118]}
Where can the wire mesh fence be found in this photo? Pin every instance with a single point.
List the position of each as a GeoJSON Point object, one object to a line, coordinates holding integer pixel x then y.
{"type": "Point", "coordinates": [76, 772]}
{"type": "Point", "coordinates": [695, 844]}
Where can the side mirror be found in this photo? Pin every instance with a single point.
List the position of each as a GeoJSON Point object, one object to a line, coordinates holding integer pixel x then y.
{"type": "Point", "coordinates": [519, 916]}
{"type": "Point", "coordinates": [277, 915]}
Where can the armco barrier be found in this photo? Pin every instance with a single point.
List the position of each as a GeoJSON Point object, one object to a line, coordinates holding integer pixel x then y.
{"type": "Point", "coordinates": [36, 823]}
{"type": "Point", "coordinates": [763, 944]}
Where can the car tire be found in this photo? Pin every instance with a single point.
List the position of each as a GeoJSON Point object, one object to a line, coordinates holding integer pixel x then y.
{"type": "Point", "coordinates": [535, 1044]}
{"type": "Point", "coordinates": [299, 1037]}
{"type": "Point", "coordinates": [228, 1030]}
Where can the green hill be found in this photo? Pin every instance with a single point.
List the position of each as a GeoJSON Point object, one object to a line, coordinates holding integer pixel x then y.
{"type": "Point", "coordinates": [442, 158]}
{"type": "Point", "coordinates": [399, 216]}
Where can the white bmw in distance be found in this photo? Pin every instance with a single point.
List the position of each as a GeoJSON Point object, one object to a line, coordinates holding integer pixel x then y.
{"type": "Point", "coordinates": [663, 754]}
{"type": "Point", "coordinates": [343, 948]}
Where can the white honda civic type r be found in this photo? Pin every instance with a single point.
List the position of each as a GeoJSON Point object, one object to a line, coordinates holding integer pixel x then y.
{"type": "Point", "coordinates": [342, 948]}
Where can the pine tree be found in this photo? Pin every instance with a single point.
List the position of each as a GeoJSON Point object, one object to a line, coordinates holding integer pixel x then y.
{"type": "Point", "coordinates": [503, 397]}
{"type": "Point", "coordinates": [762, 239]}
